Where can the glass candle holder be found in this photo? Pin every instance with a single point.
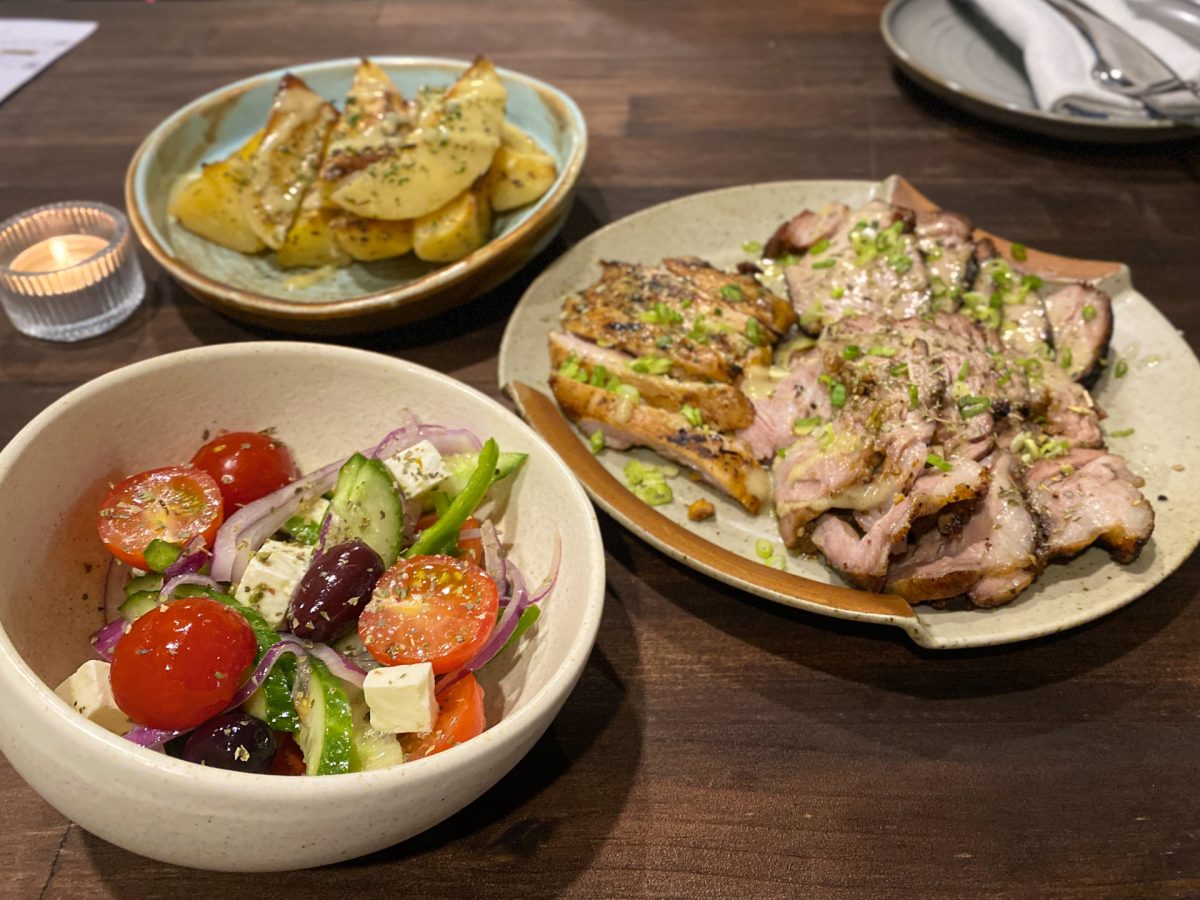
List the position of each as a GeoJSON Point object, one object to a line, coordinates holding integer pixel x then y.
{"type": "Point", "coordinates": [69, 271]}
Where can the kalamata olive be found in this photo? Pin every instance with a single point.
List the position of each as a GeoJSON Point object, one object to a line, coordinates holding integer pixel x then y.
{"type": "Point", "coordinates": [233, 740]}
{"type": "Point", "coordinates": [334, 591]}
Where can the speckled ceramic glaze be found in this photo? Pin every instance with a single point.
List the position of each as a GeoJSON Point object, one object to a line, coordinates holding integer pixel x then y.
{"type": "Point", "coordinates": [361, 295]}
{"type": "Point", "coordinates": [952, 52]}
{"type": "Point", "coordinates": [1159, 398]}
{"type": "Point", "coordinates": [324, 402]}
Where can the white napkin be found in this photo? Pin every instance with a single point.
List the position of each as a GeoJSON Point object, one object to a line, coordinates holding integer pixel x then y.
{"type": "Point", "coordinates": [29, 45]}
{"type": "Point", "coordinates": [1059, 61]}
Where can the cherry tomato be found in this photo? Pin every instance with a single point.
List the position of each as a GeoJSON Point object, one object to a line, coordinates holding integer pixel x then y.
{"type": "Point", "coordinates": [434, 609]}
{"type": "Point", "coordinates": [173, 504]}
{"type": "Point", "coordinates": [247, 465]}
{"type": "Point", "coordinates": [460, 718]}
{"type": "Point", "coordinates": [470, 548]}
{"type": "Point", "coordinates": [289, 758]}
{"type": "Point", "coordinates": [181, 663]}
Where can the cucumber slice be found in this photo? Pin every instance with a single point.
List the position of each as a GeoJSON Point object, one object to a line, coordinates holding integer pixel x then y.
{"type": "Point", "coordinates": [137, 605]}
{"type": "Point", "coordinates": [461, 465]}
{"type": "Point", "coordinates": [370, 749]}
{"type": "Point", "coordinates": [151, 581]}
{"type": "Point", "coordinates": [366, 506]}
{"type": "Point", "coordinates": [325, 720]}
{"type": "Point", "coordinates": [160, 554]}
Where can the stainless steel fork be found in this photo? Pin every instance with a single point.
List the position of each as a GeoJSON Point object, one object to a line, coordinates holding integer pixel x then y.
{"type": "Point", "coordinates": [1126, 66]}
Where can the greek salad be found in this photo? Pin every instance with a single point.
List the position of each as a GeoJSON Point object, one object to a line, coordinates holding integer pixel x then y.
{"type": "Point", "coordinates": [269, 622]}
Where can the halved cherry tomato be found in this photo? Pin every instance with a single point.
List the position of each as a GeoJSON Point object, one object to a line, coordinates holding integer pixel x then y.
{"type": "Point", "coordinates": [289, 758]}
{"type": "Point", "coordinates": [469, 548]}
{"type": "Point", "coordinates": [434, 609]}
{"type": "Point", "coordinates": [247, 465]}
{"type": "Point", "coordinates": [181, 663]}
{"type": "Point", "coordinates": [173, 504]}
{"type": "Point", "coordinates": [460, 718]}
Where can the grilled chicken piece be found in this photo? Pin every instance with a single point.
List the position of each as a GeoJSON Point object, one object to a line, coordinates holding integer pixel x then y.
{"type": "Point", "coordinates": [722, 406]}
{"type": "Point", "coordinates": [646, 311]}
{"type": "Point", "coordinates": [872, 265]}
{"type": "Point", "coordinates": [769, 308]}
{"type": "Point", "coordinates": [798, 234]}
{"type": "Point", "coordinates": [944, 239]}
{"type": "Point", "coordinates": [1089, 497]}
{"type": "Point", "coordinates": [724, 461]}
{"type": "Point", "coordinates": [864, 558]}
{"type": "Point", "coordinates": [1067, 408]}
{"type": "Point", "coordinates": [991, 560]}
{"type": "Point", "coordinates": [1081, 323]}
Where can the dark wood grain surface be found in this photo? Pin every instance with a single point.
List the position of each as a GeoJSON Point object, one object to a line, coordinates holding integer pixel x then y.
{"type": "Point", "coordinates": [718, 745]}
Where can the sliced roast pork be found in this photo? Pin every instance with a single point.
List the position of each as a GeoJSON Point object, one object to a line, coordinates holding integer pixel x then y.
{"type": "Point", "coordinates": [1089, 497]}
{"type": "Point", "coordinates": [1081, 324]}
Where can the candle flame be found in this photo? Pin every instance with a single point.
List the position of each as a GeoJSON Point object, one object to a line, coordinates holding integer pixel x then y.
{"type": "Point", "coordinates": [62, 254]}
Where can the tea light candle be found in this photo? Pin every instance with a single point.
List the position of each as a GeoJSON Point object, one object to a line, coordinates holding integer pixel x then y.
{"type": "Point", "coordinates": [62, 256]}
{"type": "Point", "coordinates": [68, 271]}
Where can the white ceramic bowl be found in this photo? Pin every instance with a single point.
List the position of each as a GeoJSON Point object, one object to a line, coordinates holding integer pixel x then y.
{"type": "Point", "coordinates": [324, 402]}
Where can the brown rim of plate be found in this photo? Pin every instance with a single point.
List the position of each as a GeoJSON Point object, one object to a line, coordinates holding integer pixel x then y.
{"type": "Point", "coordinates": [409, 292]}
{"type": "Point", "coordinates": [543, 414]}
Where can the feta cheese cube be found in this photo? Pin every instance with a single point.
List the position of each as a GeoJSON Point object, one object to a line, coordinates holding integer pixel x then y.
{"type": "Point", "coordinates": [89, 692]}
{"type": "Point", "coordinates": [313, 511]}
{"type": "Point", "coordinates": [417, 470]}
{"type": "Point", "coordinates": [401, 698]}
{"type": "Point", "coordinates": [271, 578]}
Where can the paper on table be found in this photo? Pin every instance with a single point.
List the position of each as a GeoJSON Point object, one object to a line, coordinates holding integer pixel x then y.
{"type": "Point", "coordinates": [29, 45]}
{"type": "Point", "coordinates": [1059, 61]}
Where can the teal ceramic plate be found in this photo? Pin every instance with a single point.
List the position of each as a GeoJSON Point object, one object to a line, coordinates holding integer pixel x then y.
{"type": "Point", "coordinates": [363, 295]}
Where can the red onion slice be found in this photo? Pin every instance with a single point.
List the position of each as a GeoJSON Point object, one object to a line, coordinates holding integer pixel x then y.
{"type": "Point", "coordinates": [192, 559]}
{"type": "Point", "coordinates": [104, 641]}
{"type": "Point", "coordinates": [168, 589]}
{"type": "Point", "coordinates": [150, 738]}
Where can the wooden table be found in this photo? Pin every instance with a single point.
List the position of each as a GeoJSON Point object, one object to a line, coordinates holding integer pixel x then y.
{"type": "Point", "coordinates": [717, 745]}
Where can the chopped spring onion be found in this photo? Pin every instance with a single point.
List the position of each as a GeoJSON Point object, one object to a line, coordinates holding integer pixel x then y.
{"type": "Point", "coordinates": [628, 390]}
{"type": "Point", "coordinates": [662, 342]}
{"type": "Point", "coordinates": [914, 399]}
{"type": "Point", "coordinates": [900, 263]}
{"type": "Point", "coordinates": [899, 370]}
{"type": "Point", "coordinates": [825, 264]}
{"type": "Point", "coordinates": [1065, 356]}
{"type": "Point", "coordinates": [649, 483]}
{"type": "Point", "coordinates": [1089, 313]}
{"type": "Point", "coordinates": [692, 414]}
{"type": "Point", "coordinates": [885, 352]}
{"type": "Point", "coordinates": [764, 549]}
{"type": "Point", "coordinates": [837, 293]}
{"type": "Point", "coordinates": [964, 370]}
{"type": "Point", "coordinates": [819, 247]}
{"type": "Point", "coordinates": [788, 259]}
{"type": "Point", "coordinates": [1031, 283]}
{"type": "Point", "coordinates": [837, 394]}
{"type": "Point", "coordinates": [599, 377]}
{"type": "Point", "coordinates": [651, 365]}
{"type": "Point", "coordinates": [933, 253]}
{"type": "Point", "coordinates": [1122, 369]}
{"type": "Point", "coordinates": [971, 406]}
{"type": "Point", "coordinates": [654, 493]}
{"type": "Point", "coordinates": [754, 332]}
{"type": "Point", "coordinates": [851, 352]}
{"type": "Point", "coordinates": [1124, 432]}
{"type": "Point", "coordinates": [937, 462]}
{"type": "Point", "coordinates": [751, 247]}
{"type": "Point", "coordinates": [596, 441]}
{"type": "Point", "coordinates": [661, 314]}
{"type": "Point", "coordinates": [828, 436]}
{"type": "Point", "coordinates": [806, 425]}
{"type": "Point", "coordinates": [1019, 252]}
{"type": "Point", "coordinates": [732, 293]}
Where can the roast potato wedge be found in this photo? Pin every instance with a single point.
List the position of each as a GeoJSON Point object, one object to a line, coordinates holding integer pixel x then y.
{"type": "Point", "coordinates": [372, 128]}
{"type": "Point", "coordinates": [371, 239]}
{"type": "Point", "coordinates": [521, 170]}
{"type": "Point", "coordinates": [456, 136]}
{"type": "Point", "coordinates": [210, 204]}
{"type": "Point", "coordinates": [287, 159]}
{"type": "Point", "coordinates": [311, 240]}
{"type": "Point", "coordinates": [456, 229]}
